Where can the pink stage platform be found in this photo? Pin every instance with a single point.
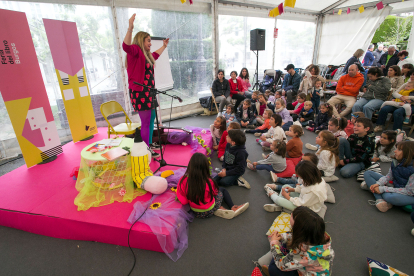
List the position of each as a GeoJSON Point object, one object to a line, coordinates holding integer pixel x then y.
{"type": "Point", "coordinates": [40, 200]}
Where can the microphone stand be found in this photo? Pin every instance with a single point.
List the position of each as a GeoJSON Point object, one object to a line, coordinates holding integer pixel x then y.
{"type": "Point", "coordinates": [153, 93]}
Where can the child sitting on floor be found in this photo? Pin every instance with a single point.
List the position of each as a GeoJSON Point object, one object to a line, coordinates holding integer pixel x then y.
{"type": "Point", "coordinates": [327, 154]}
{"type": "Point", "coordinates": [312, 193]}
{"type": "Point", "coordinates": [273, 162]}
{"type": "Point", "coordinates": [297, 106]}
{"type": "Point", "coordinates": [335, 126]}
{"type": "Point", "coordinates": [267, 114]}
{"type": "Point", "coordinates": [217, 129]}
{"type": "Point", "coordinates": [244, 115]}
{"type": "Point", "coordinates": [278, 95]}
{"type": "Point", "coordinates": [223, 141]}
{"type": "Point", "coordinates": [229, 114]}
{"type": "Point", "coordinates": [234, 164]}
{"type": "Point", "coordinates": [355, 153]}
{"type": "Point", "coordinates": [201, 192]}
{"type": "Point", "coordinates": [275, 133]}
{"type": "Point", "coordinates": [306, 114]}
{"type": "Point", "coordinates": [322, 119]}
{"type": "Point", "coordinates": [280, 109]}
{"type": "Point", "coordinates": [307, 248]}
{"type": "Point", "coordinates": [294, 146]}
{"type": "Point", "coordinates": [349, 129]}
{"type": "Point", "coordinates": [260, 109]}
{"type": "Point", "coordinates": [403, 100]}
{"type": "Point", "coordinates": [254, 100]}
{"type": "Point", "coordinates": [291, 181]}
{"type": "Point", "coordinates": [316, 94]}
{"type": "Point", "coordinates": [385, 147]}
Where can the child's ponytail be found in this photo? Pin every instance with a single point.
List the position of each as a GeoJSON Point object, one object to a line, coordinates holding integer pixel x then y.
{"type": "Point", "coordinates": [332, 144]}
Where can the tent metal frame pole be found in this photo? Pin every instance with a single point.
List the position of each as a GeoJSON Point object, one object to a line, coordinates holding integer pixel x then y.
{"type": "Point", "coordinates": [214, 13]}
{"type": "Point", "coordinates": [274, 46]}
{"type": "Point", "coordinates": [316, 45]}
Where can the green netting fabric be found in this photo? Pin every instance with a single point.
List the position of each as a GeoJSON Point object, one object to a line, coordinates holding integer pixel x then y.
{"type": "Point", "coordinates": [101, 183]}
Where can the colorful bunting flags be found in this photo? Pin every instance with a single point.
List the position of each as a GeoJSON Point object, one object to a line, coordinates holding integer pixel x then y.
{"type": "Point", "coordinates": [340, 12]}
{"type": "Point", "coordinates": [183, 1]}
{"type": "Point", "coordinates": [380, 5]}
{"type": "Point", "coordinates": [361, 9]}
{"type": "Point", "coordinates": [280, 7]}
{"type": "Point", "coordinates": [290, 3]}
{"type": "Point", "coordinates": [348, 11]}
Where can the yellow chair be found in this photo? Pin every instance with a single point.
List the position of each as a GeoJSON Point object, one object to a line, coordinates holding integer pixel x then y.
{"type": "Point", "coordinates": [126, 128]}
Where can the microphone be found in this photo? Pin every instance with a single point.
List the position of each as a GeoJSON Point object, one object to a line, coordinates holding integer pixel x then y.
{"type": "Point", "coordinates": [179, 99]}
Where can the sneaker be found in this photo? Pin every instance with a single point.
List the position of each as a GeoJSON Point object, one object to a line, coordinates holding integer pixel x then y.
{"type": "Point", "coordinates": [266, 148]}
{"type": "Point", "coordinates": [412, 232]}
{"type": "Point", "coordinates": [154, 154]}
{"type": "Point", "coordinates": [381, 204]}
{"type": "Point", "coordinates": [258, 134]}
{"type": "Point", "coordinates": [364, 186]}
{"type": "Point", "coordinates": [251, 167]}
{"type": "Point", "coordinates": [284, 210]}
{"type": "Point", "coordinates": [274, 176]}
{"type": "Point", "coordinates": [406, 121]}
{"type": "Point", "coordinates": [251, 127]}
{"type": "Point", "coordinates": [311, 147]}
{"type": "Point", "coordinates": [272, 186]}
{"type": "Point", "coordinates": [243, 183]}
{"type": "Point", "coordinates": [378, 129]}
{"type": "Point", "coordinates": [155, 146]}
{"type": "Point", "coordinates": [264, 156]}
{"type": "Point", "coordinates": [330, 178]}
{"type": "Point", "coordinates": [238, 209]}
{"type": "Point", "coordinates": [272, 208]}
{"type": "Point", "coordinates": [269, 191]}
{"type": "Point", "coordinates": [227, 214]}
{"type": "Point", "coordinates": [219, 114]}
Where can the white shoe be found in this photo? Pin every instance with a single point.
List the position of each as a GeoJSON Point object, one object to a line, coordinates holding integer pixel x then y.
{"type": "Point", "coordinates": [311, 147]}
{"type": "Point", "coordinates": [330, 178]}
{"type": "Point", "coordinates": [412, 232]}
{"type": "Point", "coordinates": [258, 134]}
{"type": "Point", "coordinates": [364, 186]}
{"type": "Point", "coordinates": [269, 191]}
{"type": "Point", "coordinates": [227, 214]}
{"type": "Point", "coordinates": [243, 183]}
{"type": "Point", "coordinates": [272, 208]}
{"type": "Point", "coordinates": [274, 176]}
{"type": "Point", "coordinates": [241, 209]}
{"type": "Point", "coordinates": [219, 114]}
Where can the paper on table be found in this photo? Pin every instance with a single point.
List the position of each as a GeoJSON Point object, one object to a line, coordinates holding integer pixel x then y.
{"type": "Point", "coordinates": [110, 142]}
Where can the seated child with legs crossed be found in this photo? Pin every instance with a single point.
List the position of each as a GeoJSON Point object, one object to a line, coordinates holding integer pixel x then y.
{"type": "Point", "coordinates": [229, 114]}
{"type": "Point", "coordinates": [234, 164]}
{"type": "Point", "coordinates": [274, 161]}
{"type": "Point", "coordinates": [405, 99]}
{"type": "Point", "coordinates": [316, 94]}
{"type": "Point", "coordinates": [306, 114]}
{"type": "Point", "coordinates": [261, 106]}
{"type": "Point", "coordinates": [244, 115]}
{"type": "Point", "coordinates": [336, 126]}
{"type": "Point", "coordinates": [322, 119]}
{"type": "Point", "coordinates": [217, 129]}
{"type": "Point", "coordinates": [306, 250]}
{"type": "Point", "coordinates": [312, 193]}
{"type": "Point", "coordinates": [275, 133]}
{"type": "Point", "coordinates": [280, 109]}
{"type": "Point", "coordinates": [327, 154]}
{"type": "Point", "coordinates": [349, 129]}
{"type": "Point", "coordinates": [201, 192]}
{"type": "Point", "coordinates": [223, 141]}
{"type": "Point", "coordinates": [294, 146]}
{"type": "Point", "coordinates": [355, 153]}
{"type": "Point", "coordinates": [267, 114]}
{"type": "Point", "coordinates": [294, 180]}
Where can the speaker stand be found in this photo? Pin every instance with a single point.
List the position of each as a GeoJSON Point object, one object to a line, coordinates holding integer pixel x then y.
{"type": "Point", "coordinates": [256, 86]}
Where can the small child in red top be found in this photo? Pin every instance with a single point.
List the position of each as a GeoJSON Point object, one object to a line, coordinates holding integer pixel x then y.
{"type": "Point", "coordinates": [223, 142]}
{"type": "Point", "coordinates": [202, 193]}
{"type": "Point", "coordinates": [350, 127]}
{"type": "Point", "coordinates": [297, 106]}
{"type": "Point", "coordinates": [266, 124]}
{"type": "Point", "coordinates": [217, 129]}
{"type": "Point", "coordinates": [294, 146]}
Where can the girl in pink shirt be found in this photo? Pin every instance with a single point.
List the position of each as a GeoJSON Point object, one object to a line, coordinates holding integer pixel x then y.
{"type": "Point", "coordinates": [201, 192]}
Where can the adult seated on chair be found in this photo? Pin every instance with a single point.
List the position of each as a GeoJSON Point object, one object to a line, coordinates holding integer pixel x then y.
{"type": "Point", "coordinates": [245, 81]}
{"type": "Point", "coordinates": [347, 90]}
{"type": "Point", "coordinates": [236, 90]}
{"type": "Point", "coordinates": [398, 113]}
{"type": "Point", "coordinates": [405, 71]}
{"type": "Point", "coordinates": [389, 59]}
{"type": "Point", "coordinates": [221, 90]}
{"type": "Point", "coordinates": [291, 83]}
{"type": "Point", "coordinates": [310, 78]}
{"type": "Point", "coordinates": [394, 74]}
{"type": "Point", "coordinates": [375, 93]}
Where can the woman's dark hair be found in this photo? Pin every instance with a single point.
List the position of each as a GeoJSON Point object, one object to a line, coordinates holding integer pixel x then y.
{"type": "Point", "coordinates": [223, 124]}
{"type": "Point", "coordinates": [308, 172]}
{"type": "Point", "coordinates": [375, 71]}
{"type": "Point", "coordinates": [341, 123]}
{"type": "Point", "coordinates": [313, 158]}
{"type": "Point", "coordinates": [308, 229]}
{"type": "Point", "coordinates": [407, 147]}
{"type": "Point", "coordinates": [233, 72]}
{"type": "Point", "coordinates": [316, 67]}
{"type": "Point", "coordinates": [281, 147]}
{"type": "Point", "coordinates": [392, 137]}
{"type": "Point", "coordinates": [396, 69]}
{"type": "Point", "coordinates": [409, 66]}
{"type": "Point", "coordinates": [402, 53]}
{"type": "Point", "coordinates": [278, 119]}
{"type": "Point", "coordinates": [329, 107]}
{"type": "Point", "coordinates": [220, 71]}
{"type": "Point", "coordinates": [247, 73]}
{"type": "Point", "coordinates": [198, 178]}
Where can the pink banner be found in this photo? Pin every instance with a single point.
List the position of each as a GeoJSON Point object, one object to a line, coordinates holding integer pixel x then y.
{"type": "Point", "coordinates": [24, 92]}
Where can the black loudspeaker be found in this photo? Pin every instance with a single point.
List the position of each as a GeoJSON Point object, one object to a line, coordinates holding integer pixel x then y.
{"type": "Point", "coordinates": [257, 39]}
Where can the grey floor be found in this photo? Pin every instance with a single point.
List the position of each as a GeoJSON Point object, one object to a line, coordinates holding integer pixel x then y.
{"type": "Point", "coordinates": [224, 247]}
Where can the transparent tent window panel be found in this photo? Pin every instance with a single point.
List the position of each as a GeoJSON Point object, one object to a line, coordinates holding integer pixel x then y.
{"type": "Point", "coordinates": [190, 48]}
{"type": "Point", "coordinates": [98, 46]}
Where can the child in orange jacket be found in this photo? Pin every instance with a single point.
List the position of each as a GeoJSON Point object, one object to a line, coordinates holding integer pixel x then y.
{"type": "Point", "coordinates": [263, 128]}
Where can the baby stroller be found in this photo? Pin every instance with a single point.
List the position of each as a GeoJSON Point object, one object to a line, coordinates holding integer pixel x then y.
{"type": "Point", "coordinates": [270, 80]}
